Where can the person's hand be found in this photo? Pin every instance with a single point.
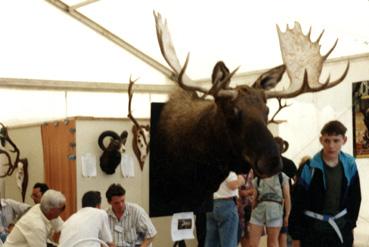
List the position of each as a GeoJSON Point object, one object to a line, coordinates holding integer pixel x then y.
{"type": "Point", "coordinates": [296, 243]}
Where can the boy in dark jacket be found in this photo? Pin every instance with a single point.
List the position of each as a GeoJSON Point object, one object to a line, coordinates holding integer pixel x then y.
{"type": "Point", "coordinates": [327, 196]}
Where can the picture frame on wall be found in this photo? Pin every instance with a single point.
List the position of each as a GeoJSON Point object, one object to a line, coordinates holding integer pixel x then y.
{"type": "Point", "coordinates": [360, 112]}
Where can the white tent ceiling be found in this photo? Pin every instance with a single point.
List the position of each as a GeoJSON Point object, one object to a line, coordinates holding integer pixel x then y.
{"type": "Point", "coordinates": [38, 41]}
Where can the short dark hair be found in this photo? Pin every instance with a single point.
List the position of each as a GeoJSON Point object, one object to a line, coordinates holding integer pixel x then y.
{"type": "Point", "coordinates": [42, 186]}
{"type": "Point", "coordinates": [91, 199]}
{"type": "Point", "coordinates": [114, 190]}
{"type": "Point", "coordinates": [333, 128]}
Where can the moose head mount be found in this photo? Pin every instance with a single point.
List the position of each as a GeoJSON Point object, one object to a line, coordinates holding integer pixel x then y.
{"type": "Point", "coordinates": [204, 139]}
{"type": "Point", "coordinates": [112, 153]}
{"type": "Point", "coordinates": [302, 62]}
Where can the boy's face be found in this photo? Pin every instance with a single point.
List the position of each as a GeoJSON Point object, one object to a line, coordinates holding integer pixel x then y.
{"type": "Point", "coordinates": [332, 145]}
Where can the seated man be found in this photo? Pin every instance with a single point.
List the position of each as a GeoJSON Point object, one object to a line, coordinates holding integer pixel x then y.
{"type": "Point", "coordinates": [90, 222]}
{"type": "Point", "coordinates": [129, 223]}
{"type": "Point", "coordinates": [10, 211]}
{"type": "Point", "coordinates": [35, 226]}
{"type": "Point", "coordinates": [38, 190]}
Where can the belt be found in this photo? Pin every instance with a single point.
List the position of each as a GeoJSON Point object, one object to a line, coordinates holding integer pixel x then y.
{"type": "Point", "coordinates": [330, 219]}
{"type": "Point", "coordinates": [270, 200]}
{"type": "Point", "coordinates": [225, 198]}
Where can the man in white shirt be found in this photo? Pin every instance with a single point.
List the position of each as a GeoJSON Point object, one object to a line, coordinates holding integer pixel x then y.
{"type": "Point", "coordinates": [88, 226]}
{"type": "Point", "coordinates": [35, 226]}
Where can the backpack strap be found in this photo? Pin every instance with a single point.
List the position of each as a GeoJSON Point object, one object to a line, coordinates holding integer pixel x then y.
{"type": "Point", "coordinates": [280, 179]}
{"type": "Point", "coordinates": [280, 176]}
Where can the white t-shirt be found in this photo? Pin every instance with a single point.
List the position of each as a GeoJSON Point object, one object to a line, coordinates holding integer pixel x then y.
{"type": "Point", "coordinates": [87, 223]}
{"type": "Point", "coordinates": [224, 191]}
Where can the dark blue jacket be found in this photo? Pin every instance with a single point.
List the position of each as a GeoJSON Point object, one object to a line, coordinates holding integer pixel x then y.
{"type": "Point", "coordinates": [309, 194]}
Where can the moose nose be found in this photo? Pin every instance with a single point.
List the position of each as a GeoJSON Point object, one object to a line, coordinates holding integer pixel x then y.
{"type": "Point", "coordinates": [266, 167]}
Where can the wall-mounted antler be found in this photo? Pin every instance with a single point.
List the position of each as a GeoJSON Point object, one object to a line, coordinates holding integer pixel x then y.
{"type": "Point", "coordinates": [21, 165]}
{"type": "Point", "coordinates": [304, 63]}
{"type": "Point", "coordinates": [5, 140]}
{"type": "Point", "coordinates": [280, 107]}
{"type": "Point", "coordinates": [141, 133]}
{"type": "Point", "coordinates": [221, 76]}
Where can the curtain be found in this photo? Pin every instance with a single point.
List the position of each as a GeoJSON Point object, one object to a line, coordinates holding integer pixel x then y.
{"type": "Point", "coordinates": [58, 140]}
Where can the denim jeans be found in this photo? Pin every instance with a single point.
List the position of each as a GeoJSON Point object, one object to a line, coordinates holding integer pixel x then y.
{"type": "Point", "coordinates": [222, 224]}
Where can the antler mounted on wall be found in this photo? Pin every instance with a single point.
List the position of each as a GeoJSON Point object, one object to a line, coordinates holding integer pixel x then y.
{"type": "Point", "coordinates": [141, 133]}
{"type": "Point", "coordinates": [10, 165]}
{"type": "Point", "coordinates": [302, 62]}
{"type": "Point", "coordinates": [304, 65]}
{"type": "Point", "coordinates": [5, 140]}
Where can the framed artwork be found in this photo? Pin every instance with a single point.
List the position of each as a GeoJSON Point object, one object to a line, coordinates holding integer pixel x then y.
{"type": "Point", "coordinates": [360, 112]}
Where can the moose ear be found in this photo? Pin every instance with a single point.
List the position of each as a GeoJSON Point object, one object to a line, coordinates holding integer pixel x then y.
{"type": "Point", "coordinates": [270, 79]}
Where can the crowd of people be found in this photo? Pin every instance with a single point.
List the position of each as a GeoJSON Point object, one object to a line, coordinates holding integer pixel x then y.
{"type": "Point", "coordinates": [122, 224]}
{"type": "Point", "coordinates": [315, 205]}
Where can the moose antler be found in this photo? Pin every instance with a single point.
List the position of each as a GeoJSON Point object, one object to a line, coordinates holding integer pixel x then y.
{"type": "Point", "coordinates": [141, 137]}
{"type": "Point", "coordinates": [280, 107]}
{"type": "Point", "coordinates": [221, 76]}
{"type": "Point", "coordinates": [303, 62]}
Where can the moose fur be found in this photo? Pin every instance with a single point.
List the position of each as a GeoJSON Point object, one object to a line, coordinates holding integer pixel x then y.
{"type": "Point", "coordinates": [201, 140]}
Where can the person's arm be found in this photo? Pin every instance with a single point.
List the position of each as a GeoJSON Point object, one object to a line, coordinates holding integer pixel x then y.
{"type": "Point", "coordinates": [354, 200]}
{"type": "Point", "coordinates": [19, 207]}
{"type": "Point", "coordinates": [234, 184]}
{"type": "Point", "coordinates": [105, 232]}
{"type": "Point", "coordinates": [287, 202]}
{"type": "Point", "coordinates": [147, 242]}
{"type": "Point", "coordinates": [145, 225]}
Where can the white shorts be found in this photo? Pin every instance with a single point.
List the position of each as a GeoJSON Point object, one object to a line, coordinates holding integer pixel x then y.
{"type": "Point", "coordinates": [271, 223]}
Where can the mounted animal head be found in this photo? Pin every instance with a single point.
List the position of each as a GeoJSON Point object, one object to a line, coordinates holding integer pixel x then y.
{"type": "Point", "coordinates": [244, 107]}
{"type": "Point", "coordinates": [141, 133]}
{"type": "Point", "coordinates": [111, 155]}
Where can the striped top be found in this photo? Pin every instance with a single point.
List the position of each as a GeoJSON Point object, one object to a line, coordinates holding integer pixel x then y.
{"type": "Point", "coordinates": [134, 226]}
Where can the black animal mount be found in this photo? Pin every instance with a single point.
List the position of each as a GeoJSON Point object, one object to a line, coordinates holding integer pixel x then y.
{"type": "Point", "coordinates": [112, 154]}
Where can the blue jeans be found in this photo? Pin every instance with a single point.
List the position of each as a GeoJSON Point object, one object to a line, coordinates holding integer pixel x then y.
{"type": "Point", "coordinates": [222, 224]}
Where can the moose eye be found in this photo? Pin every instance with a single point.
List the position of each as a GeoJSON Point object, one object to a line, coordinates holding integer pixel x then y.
{"type": "Point", "coordinates": [237, 114]}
